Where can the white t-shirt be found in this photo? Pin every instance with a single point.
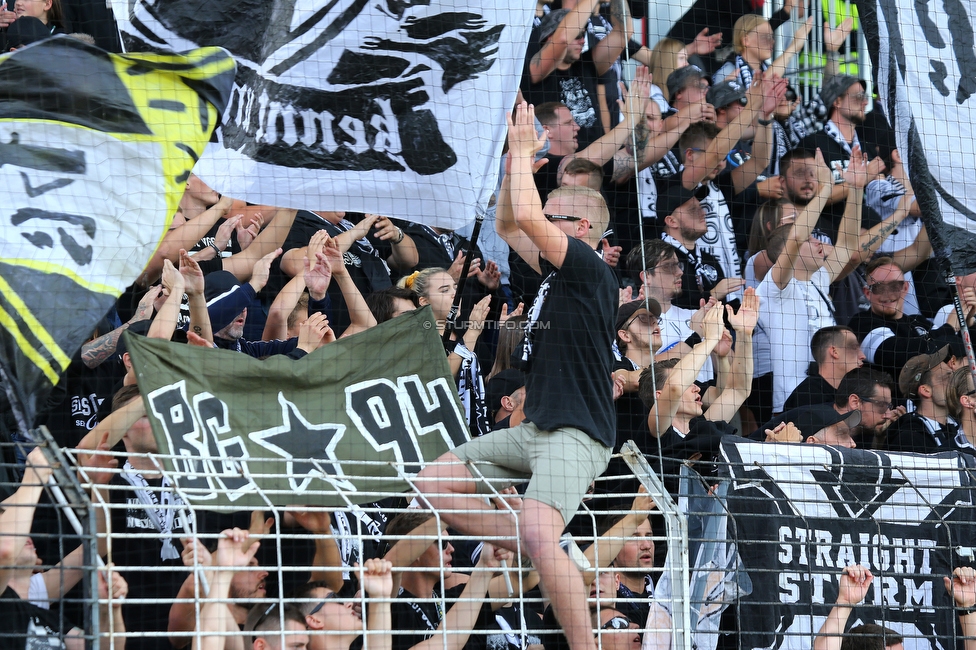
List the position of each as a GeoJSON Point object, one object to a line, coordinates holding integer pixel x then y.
{"type": "Point", "coordinates": [790, 317]}
{"type": "Point", "coordinates": [675, 328]}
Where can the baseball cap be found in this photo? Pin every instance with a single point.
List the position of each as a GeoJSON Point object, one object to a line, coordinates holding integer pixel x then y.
{"type": "Point", "coordinates": [550, 22]}
{"type": "Point", "coordinates": [726, 92]}
{"type": "Point", "coordinates": [502, 385]}
{"type": "Point", "coordinates": [628, 309]}
{"type": "Point", "coordinates": [680, 78]}
{"type": "Point", "coordinates": [910, 377]}
{"type": "Point", "coordinates": [837, 86]}
{"type": "Point", "coordinates": [218, 283]}
{"type": "Point", "coordinates": [811, 419]}
{"type": "Point", "coordinates": [674, 195]}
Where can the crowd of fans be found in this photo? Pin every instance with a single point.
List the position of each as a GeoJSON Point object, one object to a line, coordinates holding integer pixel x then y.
{"type": "Point", "coordinates": [771, 278]}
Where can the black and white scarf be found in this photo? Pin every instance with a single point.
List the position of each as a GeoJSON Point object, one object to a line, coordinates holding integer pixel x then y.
{"type": "Point", "coordinates": [157, 507]}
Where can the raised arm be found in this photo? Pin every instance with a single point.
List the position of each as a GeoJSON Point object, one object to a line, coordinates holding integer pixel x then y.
{"type": "Point", "coordinates": [270, 239]}
{"type": "Point", "coordinates": [854, 583]}
{"type": "Point", "coordinates": [607, 51]}
{"type": "Point", "coordinates": [194, 285]}
{"type": "Point", "coordinates": [554, 50]}
{"type": "Point", "coordinates": [215, 615]}
{"type": "Point", "coordinates": [551, 242]}
{"type": "Point", "coordinates": [17, 512]}
{"type": "Point", "coordinates": [780, 63]}
{"type": "Point", "coordinates": [361, 318]}
{"type": "Point", "coordinates": [376, 578]}
{"type": "Point", "coordinates": [327, 560]}
{"type": "Point", "coordinates": [604, 149]}
{"type": "Point", "coordinates": [962, 588]}
{"type": "Point", "coordinates": [605, 549]}
{"type": "Point", "coordinates": [773, 89]}
{"type": "Point", "coordinates": [683, 374]}
{"type": "Point", "coordinates": [95, 352]}
{"type": "Point", "coordinates": [184, 236]}
{"type": "Point", "coordinates": [164, 324]}
{"type": "Point", "coordinates": [856, 177]}
{"type": "Point", "coordinates": [739, 383]}
{"type": "Point", "coordinates": [806, 219]}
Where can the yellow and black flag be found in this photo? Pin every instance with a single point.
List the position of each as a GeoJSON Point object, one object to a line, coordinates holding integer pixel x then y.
{"type": "Point", "coordinates": [95, 151]}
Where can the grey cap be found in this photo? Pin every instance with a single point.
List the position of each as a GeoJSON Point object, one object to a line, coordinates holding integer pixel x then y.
{"type": "Point", "coordinates": [550, 22]}
{"type": "Point", "coordinates": [837, 86]}
{"type": "Point", "coordinates": [726, 92]}
{"type": "Point", "coordinates": [678, 79]}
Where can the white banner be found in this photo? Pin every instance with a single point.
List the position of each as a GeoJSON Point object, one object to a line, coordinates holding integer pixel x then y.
{"type": "Point", "coordinates": [926, 80]}
{"type": "Point", "coordinates": [390, 107]}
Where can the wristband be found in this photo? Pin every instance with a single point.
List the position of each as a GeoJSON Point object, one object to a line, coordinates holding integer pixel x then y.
{"type": "Point", "coordinates": [763, 122]}
{"type": "Point", "coordinates": [693, 340]}
{"type": "Point", "coordinates": [216, 250]}
{"type": "Point", "coordinates": [966, 611]}
{"type": "Point", "coordinates": [400, 238]}
{"type": "Point", "coordinates": [633, 47]}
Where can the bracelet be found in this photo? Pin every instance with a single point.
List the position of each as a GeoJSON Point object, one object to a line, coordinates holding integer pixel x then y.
{"type": "Point", "coordinates": [400, 238]}
{"type": "Point", "coordinates": [763, 122]}
{"type": "Point", "coordinates": [216, 250]}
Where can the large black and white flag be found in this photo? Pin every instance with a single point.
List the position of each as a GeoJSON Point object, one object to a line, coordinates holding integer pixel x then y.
{"type": "Point", "coordinates": [801, 513]}
{"type": "Point", "coordinates": [392, 107]}
{"type": "Point", "coordinates": [926, 62]}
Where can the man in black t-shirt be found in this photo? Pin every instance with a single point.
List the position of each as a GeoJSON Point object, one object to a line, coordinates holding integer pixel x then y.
{"type": "Point", "coordinates": [569, 431]}
{"type": "Point", "coordinates": [835, 353]}
{"type": "Point", "coordinates": [557, 70]}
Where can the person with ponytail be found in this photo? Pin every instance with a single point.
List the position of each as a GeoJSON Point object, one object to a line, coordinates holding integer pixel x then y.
{"type": "Point", "coordinates": [436, 287]}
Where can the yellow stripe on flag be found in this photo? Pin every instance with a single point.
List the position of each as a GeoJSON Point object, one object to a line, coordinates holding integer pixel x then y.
{"type": "Point", "coordinates": [37, 330]}
{"type": "Point", "coordinates": [33, 355]}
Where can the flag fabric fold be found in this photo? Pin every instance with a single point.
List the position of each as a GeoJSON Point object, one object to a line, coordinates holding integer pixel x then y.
{"type": "Point", "coordinates": [391, 108]}
{"type": "Point", "coordinates": [354, 418]}
{"type": "Point", "coordinates": [95, 150]}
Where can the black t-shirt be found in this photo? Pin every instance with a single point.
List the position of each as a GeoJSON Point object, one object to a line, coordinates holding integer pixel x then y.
{"type": "Point", "coordinates": [812, 390]}
{"type": "Point", "coordinates": [703, 438]}
{"type": "Point", "coordinates": [567, 351]}
{"type": "Point", "coordinates": [28, 626]}
{"type": "Point", "coordinates": [697, 283]}
{"type": "Point", "coordinates": [409, 613]}
{"type": "Point", "coordinates": [576, 87]}
{"type": "Point", "coordinates": [162, 583]}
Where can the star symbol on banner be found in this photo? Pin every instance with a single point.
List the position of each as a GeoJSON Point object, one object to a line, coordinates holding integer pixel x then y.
{"type": "Point", "coordinates": [296, 437]}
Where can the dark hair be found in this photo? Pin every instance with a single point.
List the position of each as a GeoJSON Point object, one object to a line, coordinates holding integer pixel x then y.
{"type": "Point", "coordinates": [381, 303]}
{"type": "Point", "coordinates": [584, 167]}
{"type": "Point", "coordinates": [659, 374]}
{"type": "Point", "coordinates": [870, 637]}
{"type": "Point", "coordinates": [797, 154]}
{"type": "Point", "coordinates": [861, 382]}
{"type": "Point", "coordinates": [123, 396]}
{"type": "Point", "coordinates": [776, 241]}
{"type": "Point", "coordinates": [648, 255]}
{"type": "Point", "coordinates": [825, 337]}
{"type": "Point", "coordinates": [55, 15]}
{"type": "Point", "coordinates": [766, 219]}
{"type": "Point", "coordinates": [546, 113]}
{"type": "Point", "coordinates": [268, 618]}
{"type": "Point", "coordinates": [510, 334]}
{"type": "Point", "coordinates": [878, 262]}
{"type": "Point", "coordinates": [403, 523]}
{"type": "Point", "coordinates": [697, 136]}
{"type": "Point", "coordinates": [306, 592]}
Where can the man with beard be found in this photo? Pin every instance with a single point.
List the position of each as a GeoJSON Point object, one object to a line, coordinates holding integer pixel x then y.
{"type": "Point", "coordinates": [556, 70]}
{"type": "Point", "coordinates": [847, 102]}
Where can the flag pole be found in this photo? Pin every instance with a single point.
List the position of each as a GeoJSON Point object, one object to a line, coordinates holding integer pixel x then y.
{"type": "Point", "coordinates": [950, 279]}
{"type": "Point", "coordinates": [452, 324]}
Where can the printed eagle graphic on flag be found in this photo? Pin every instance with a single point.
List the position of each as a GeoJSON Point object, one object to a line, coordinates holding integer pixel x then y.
{"type": "Point", "coordinates": [394, 107]}
{"type": "Point", "coordinates": [95, 151]}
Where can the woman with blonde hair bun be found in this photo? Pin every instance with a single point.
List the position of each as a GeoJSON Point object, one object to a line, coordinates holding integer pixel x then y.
{"type": "Point", "coordinates": [753, 42]}
{"type": "Point", "coordinates": [436, 287]}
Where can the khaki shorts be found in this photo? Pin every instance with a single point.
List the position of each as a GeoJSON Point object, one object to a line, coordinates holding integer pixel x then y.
{"type": "Point", "coordinates": [559, 464]}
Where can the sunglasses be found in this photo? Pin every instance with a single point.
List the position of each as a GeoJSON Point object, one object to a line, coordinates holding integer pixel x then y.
{"type": "Point", "coordinates": [331, 596]}
{"type": "Point", "coordinates": [563, 217]}
{"type": "Point", "coordinates": [879, 288]}
{"type": "Point", "coordinates": [617, 623]}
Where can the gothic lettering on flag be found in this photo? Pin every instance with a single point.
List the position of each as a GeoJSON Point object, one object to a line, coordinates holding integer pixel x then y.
{"type": "Point", "coordinates": [387, 107]}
